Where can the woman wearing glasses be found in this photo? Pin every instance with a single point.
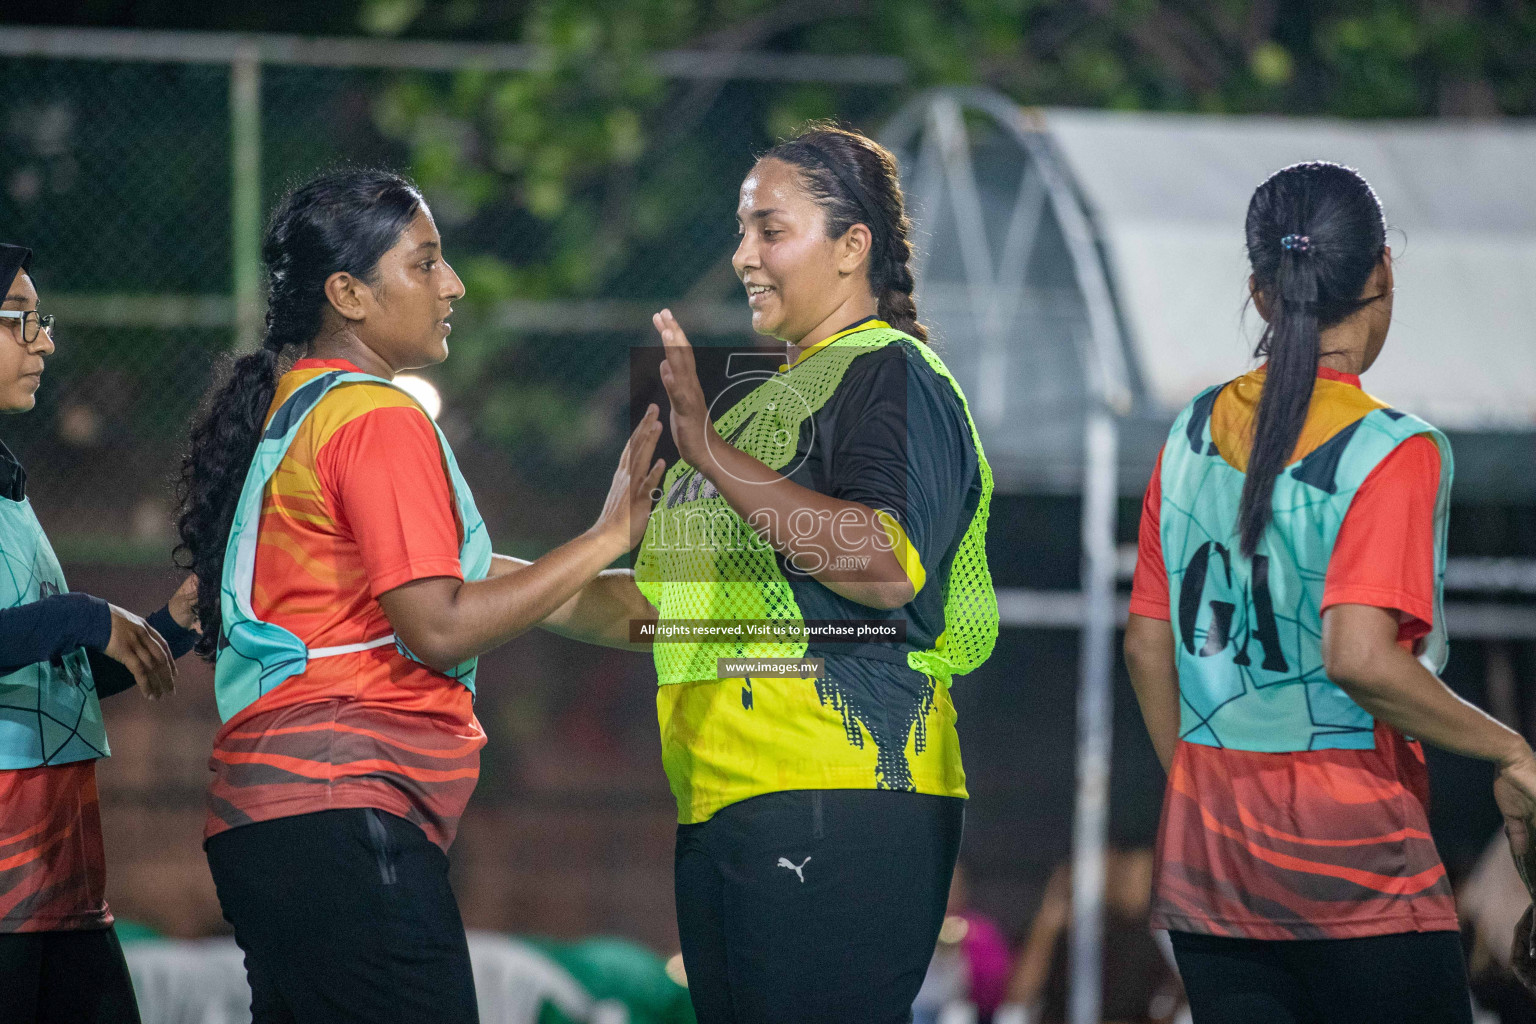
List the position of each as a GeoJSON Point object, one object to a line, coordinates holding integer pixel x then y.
{"type": "Point", "coordinates": [59, 653]}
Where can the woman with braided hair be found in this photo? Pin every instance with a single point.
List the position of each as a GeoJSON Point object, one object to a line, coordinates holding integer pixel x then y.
{"type": "Point", "coordinates": [1284, 639]}
{"type": "Point", "coordinates": [346, 588]}
{"type": "Point", "coordinates": [819, 815]}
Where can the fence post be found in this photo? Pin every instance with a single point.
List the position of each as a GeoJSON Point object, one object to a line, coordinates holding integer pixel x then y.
{"type": "Point", "coordinates": [1095, 715]}
{"type": "Point", "coordinates": [245, 194]}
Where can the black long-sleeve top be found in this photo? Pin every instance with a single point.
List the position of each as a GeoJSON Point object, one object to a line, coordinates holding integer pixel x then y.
{"type": "Point", "coordinates": [54, 626]}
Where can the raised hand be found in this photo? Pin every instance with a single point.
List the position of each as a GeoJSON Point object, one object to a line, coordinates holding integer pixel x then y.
{"type": "Point", "coordinates": [691, 427]}
{"type": "Point", "coordinates": [628, 506]}
{"type": "Point", "coordinates": [142, 651]}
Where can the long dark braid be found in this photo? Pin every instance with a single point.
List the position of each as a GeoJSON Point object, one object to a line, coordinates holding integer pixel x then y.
{"type": "Point", "coordinates": [855, 179]}
{"type": "Point", "coordinates": [1315, 234]}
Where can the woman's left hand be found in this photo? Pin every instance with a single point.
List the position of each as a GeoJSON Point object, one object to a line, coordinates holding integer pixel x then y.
{"type": "Point", "coordinates": [692, 430]}
{"type": "Point", "coordinates": [1514, 790]}
{"type": "Point", "coordinates": [183, 605]}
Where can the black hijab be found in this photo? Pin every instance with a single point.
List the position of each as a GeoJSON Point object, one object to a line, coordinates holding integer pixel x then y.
{"type": "Point", "coordinates": [12, 259]}
{"type": "Point", "coordinates": [13, 479]}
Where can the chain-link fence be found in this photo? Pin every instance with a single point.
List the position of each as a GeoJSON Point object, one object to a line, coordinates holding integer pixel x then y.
{"type": "Point", "coordinates": [140, 167]}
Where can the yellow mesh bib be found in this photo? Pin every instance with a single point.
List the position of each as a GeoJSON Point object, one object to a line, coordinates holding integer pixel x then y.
{"type": "Point", "coordinates": [700, 560]}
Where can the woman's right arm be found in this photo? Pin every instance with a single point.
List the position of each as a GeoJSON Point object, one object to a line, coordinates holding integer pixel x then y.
{"type": "Point", "coordinates": [1149, 645]}
{"type": "Point", "coordinates": [444, 620]}
{"type": "Point", "coordinates": [1149, 657]}
{"type": "Point", "coordinates": [600, 613]}
{"type": "Point", "coordinates": [53, 626]}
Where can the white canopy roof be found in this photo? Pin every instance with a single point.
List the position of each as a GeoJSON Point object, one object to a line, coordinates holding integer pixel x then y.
{"type": "Point", "coordinates": [1169, 194]}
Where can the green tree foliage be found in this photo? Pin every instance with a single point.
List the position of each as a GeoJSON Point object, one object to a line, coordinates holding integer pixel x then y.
{"type": "Point", "coordinates": [596, 175]}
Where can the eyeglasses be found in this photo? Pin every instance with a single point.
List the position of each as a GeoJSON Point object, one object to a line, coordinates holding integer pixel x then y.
{"type": "Point", "coordinates": [31, 323]}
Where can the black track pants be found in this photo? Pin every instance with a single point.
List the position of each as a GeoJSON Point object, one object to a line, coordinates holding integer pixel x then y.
{"type": "Point", "coordinates": [814, 906]}
{"type": "Point", "coordinates": [344, 916]}
{"type": "Point", "coordinates": [65, 978]}
{"type": "Point", "coordinates": [1410, 978]}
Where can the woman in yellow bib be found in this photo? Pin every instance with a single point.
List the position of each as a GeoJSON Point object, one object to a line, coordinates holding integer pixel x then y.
{"type": "Point", "coordinates": [841, 501]}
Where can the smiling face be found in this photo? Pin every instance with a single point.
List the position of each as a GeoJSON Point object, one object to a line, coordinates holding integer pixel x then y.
{"type": "Point", "coordinates": [402, 315]}
{"type": "Point", "coordinates": [21, 365]}
{"type": "Point", "coordinates": [795, 276]}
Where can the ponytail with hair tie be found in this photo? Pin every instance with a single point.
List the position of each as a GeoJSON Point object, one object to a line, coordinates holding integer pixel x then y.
{"type": "Point", "coordinates": [1296, 279]}
{"type": "Point", "coordinates": [1315, 233]}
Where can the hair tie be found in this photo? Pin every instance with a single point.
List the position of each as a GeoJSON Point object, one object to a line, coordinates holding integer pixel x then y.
{"type": "Point", "coordinates": [1296, 243]}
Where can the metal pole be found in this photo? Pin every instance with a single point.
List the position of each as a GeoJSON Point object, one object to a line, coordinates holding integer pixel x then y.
{"type": "Point", "coordinates": [1109, 395]}
{"type": "Point", "coordinates": [245, 195]}
{"type": "Point", "coordinates": [1095, 714]}
{"type": "Point", "coordinates": [430, 55]}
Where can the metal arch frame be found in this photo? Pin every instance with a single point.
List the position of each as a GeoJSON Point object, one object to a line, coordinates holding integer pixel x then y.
{"type": "Point", "coordinates": [936, 120]}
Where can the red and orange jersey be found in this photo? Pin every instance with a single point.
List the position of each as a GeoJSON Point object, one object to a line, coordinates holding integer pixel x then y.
{"type": "Point", "coordinates": [1322, 843]}
{"type": "Point", "coordinates": [360, 505]}
{"type": "Point", "coordinates": [1317, 844]}
{"type": "Point", "coordinates": [52, 864]}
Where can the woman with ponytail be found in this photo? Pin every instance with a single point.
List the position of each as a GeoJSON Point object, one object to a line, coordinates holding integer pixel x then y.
{"type": "Point", "coordinates": [1284, 639]}
{"type": "Point", "coordinates": [345, 588]}
{"type": "Point", "coordinates": [820, 811]}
